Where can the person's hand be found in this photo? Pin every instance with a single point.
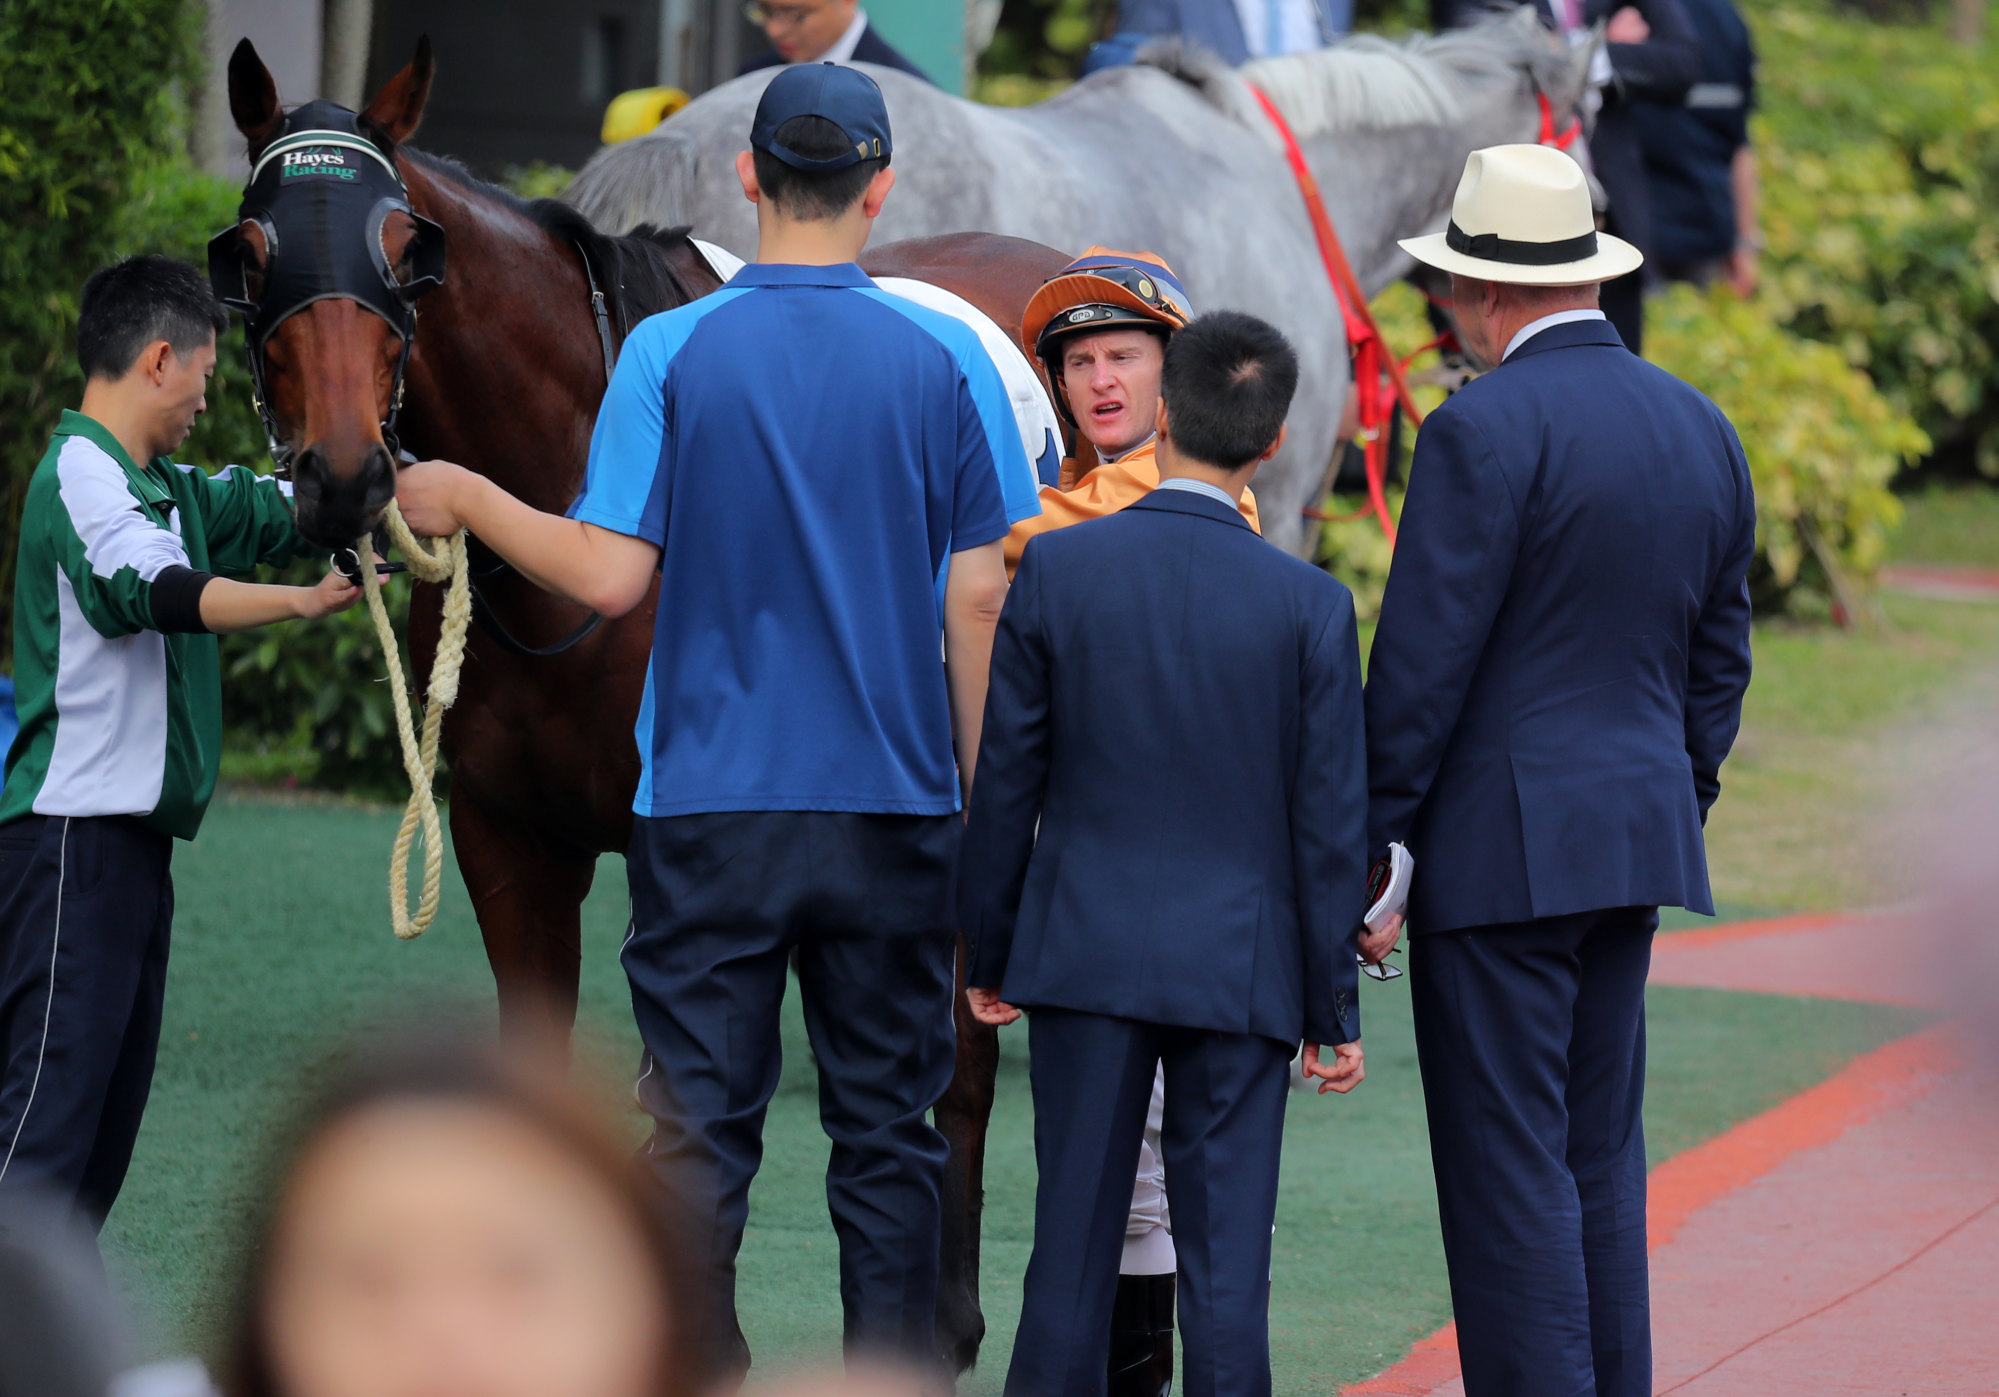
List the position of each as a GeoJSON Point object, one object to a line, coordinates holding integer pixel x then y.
{"type": "Point", "coordinates": [1375, 945]}
{"type": "Point", "coordinates": [332, 593]}
{"type": "Point", "coordinates": [1744, 266]}
{"type": "Point", "coordinates": [988, 1008]}
{"type": "Point", "coordinates": [1627, 26]}
{"type": "Point", "coordinates": [1344, 1074]}
{"type": "Point", "coordinates": [428, 493]}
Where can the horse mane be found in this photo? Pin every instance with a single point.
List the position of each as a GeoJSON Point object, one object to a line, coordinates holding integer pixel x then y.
{"type": "Point", "coordinates": [635, 270]}
{"type": "Point", "coordinates": [1367, 83]}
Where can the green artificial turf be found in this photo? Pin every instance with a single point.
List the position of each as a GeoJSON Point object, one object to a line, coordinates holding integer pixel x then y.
{"type": "Point", "coordinates": [282, 949]}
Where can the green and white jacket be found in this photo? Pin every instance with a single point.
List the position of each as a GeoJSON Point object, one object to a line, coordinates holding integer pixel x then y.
{"type": "Point", "coordinates": [119, 689]}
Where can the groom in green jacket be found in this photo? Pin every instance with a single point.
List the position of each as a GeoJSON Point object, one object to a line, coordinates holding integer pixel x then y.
{"type": "Point", "coordinates": [117, 604]}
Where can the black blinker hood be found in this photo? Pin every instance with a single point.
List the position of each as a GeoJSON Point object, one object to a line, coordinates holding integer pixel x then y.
{"type": "Point", "coordinates": [322, 191]}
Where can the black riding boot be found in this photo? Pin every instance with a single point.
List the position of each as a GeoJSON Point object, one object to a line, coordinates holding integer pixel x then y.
{"type": "Point", "coordinates": [1142, 1337]}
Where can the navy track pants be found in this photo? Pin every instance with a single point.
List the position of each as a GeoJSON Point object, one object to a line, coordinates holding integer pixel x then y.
{"type": "Point", "coordinates": [720, 903]}
{"type": "Point", "coordinates": [86, 912]}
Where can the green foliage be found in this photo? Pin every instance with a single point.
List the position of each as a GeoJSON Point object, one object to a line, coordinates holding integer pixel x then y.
{"type": "Point", "coordinates": [1880, 149]}
{"type": "Point", "coordinates": [90, 90]}
{"type": "Point", "coordinates": [1822, 443]}
{"type": "Point", "coordinates": [310, 705]}
{"type": "Point", "coordinates": [538, 179]}
{"type": "Point", "coordinates": [1045, 38]}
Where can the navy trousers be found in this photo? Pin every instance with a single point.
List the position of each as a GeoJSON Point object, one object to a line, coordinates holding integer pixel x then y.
{"type": "Point", "coordinates": [720, 903]}
{"type": "Point", "coordinates": [86, 911]}
{"type": "Point", "coordinates": [1531, 1038]}
{"type": "Point", "coordinates": [1224, 1130]}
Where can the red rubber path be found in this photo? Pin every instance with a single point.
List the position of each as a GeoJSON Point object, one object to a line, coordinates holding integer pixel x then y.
{"type": "Point", "coordinates": [1845, 1241]}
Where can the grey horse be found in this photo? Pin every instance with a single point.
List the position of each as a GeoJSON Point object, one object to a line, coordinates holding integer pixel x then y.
{"type": "Point", "coordinates": [1172, 155]}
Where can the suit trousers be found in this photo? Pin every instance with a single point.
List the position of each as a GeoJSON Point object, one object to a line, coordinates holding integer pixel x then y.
{"type": "Point", "coordinates": [1222, 1133]}
{"type": "Point", "coordinates": [720, 903]}
{"type": "Point", "coordinates": [1531, 1039]}
{"type": "Point", "coordinates": [86, 913]}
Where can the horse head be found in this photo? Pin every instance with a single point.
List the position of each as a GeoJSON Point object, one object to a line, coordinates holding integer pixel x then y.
{"type": "Point", "coordinates": [326, 262]}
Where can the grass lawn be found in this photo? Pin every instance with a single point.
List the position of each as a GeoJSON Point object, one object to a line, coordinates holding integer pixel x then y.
{"type": "Point", "coordinates": [282, 946]}
{"type": "Point", "coordinates": [1835, 720]}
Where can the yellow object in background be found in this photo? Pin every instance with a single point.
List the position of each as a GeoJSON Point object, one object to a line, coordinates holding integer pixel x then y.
{"type": "Point", "coordinates": [636, 112]}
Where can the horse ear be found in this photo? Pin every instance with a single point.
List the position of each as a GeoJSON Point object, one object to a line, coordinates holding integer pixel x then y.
{"type": "Point", "coordinates": [253, 97]}
{"type": "Point", "coordinates": [398, 107]}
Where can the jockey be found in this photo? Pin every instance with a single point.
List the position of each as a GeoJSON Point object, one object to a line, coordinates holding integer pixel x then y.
{"type": "Point", "coordinates": [1099, 329]}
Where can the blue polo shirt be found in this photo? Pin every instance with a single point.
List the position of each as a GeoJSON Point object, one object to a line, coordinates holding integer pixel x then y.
{"type": "Point", "coordinates": [807, 450]}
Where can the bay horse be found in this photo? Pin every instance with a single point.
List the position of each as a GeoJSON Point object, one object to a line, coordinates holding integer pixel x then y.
{"type": "Point", "coordinates": [504, 376]}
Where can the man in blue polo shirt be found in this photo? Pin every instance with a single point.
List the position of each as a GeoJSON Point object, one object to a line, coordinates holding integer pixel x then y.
{"type": "Point", "coordinates": [801, 455]}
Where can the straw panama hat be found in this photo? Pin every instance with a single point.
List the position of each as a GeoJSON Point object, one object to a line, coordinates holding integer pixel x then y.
{"type": "Point", "coordinates": [1522, 215]}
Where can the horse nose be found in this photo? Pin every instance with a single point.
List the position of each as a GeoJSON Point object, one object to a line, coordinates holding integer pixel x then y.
{"type": "Point", "coordinates": [337, 506]}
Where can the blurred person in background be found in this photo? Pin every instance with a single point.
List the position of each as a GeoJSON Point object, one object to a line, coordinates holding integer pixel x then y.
{"type": "Point", "coordinates": [450, 1219]}
{"type": "Point", "coordinates": [821, 31]}
{"type": "Point", "coordinates": [1233, 30]}
{"type": "Point", "coordinates": [1706, 225]}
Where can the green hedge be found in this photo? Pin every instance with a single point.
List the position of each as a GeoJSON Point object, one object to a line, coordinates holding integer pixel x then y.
{"type": "Point", "coordinates": [1880, 147]}
{"type": "Point", "coordinates": [87, 106]}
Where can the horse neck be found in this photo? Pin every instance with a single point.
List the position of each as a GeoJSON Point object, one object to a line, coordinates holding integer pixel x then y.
{"type": "Point", "coordinates": [1396, 183]}
{"type": "Point", "coordinates": [508, 369]}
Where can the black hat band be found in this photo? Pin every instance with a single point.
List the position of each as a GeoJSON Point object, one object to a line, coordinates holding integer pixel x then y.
{"type": "Point", "coordinates": [1490, 247]}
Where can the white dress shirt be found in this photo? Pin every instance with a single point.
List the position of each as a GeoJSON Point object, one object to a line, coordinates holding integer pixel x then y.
{"type": "Point", "coordinates": [1535, 327]}
{"type": "Point", "coordinates": [843, 47]}
{"type": "Point", "coordinates": [1271, 28]}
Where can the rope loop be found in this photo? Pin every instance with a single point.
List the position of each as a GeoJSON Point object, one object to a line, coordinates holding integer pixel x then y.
{"type": "Point", "coordinates": [448, 562]}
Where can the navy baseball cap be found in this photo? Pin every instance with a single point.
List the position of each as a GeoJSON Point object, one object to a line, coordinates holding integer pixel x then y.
{"type": "Point", "coordinates": [847, 97]}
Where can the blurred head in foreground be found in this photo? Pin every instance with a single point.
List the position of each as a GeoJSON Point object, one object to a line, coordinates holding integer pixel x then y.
{"type": "Point", "coordinates": [61, 1334]}
{"type": "Point", "coordinates": [453, 1220]}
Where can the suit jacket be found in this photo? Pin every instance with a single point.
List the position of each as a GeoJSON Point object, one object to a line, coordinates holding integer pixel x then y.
{"type": "Point", "coordinates": [1564, 642]}
{"type": "Point", "coordinates": [1177, 703]}
{"type": "Point", "coordinates": [872, 48]}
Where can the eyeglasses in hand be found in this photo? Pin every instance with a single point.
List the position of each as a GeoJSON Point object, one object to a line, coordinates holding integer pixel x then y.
{"type": "Point", "coordinates": [1384, 971]}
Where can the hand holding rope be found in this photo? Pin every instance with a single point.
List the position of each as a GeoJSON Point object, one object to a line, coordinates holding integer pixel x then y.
{"type": "Point", "coordinates": [448, 564]}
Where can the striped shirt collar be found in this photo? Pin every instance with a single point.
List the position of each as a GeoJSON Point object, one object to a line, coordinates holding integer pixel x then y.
{"type": "Point", "coordinates": [1200, 487]}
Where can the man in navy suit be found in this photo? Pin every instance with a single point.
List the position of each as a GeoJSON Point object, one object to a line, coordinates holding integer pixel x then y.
{"type": "Point", "coordinates": [822, 31]}
{"type": "Point", "coordinates": [1556, 678]}
{"type": "Point", "coordinates": [1176, 703]}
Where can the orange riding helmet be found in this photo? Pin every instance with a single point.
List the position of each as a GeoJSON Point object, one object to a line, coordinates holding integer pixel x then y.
{"type": "Point", "coordinates": [1102, 290]}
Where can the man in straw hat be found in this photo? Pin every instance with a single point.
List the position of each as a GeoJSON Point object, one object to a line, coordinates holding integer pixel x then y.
{"type": "Point", "coordinates": [1558, 673]}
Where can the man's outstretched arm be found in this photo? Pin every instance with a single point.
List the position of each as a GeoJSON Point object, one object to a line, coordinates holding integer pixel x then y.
{"type": "Point", "coordinates": [594, 567]}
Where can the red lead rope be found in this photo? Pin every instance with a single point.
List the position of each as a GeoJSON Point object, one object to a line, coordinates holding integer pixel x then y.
{"type": "Point", "coordinates": [1560, 140]}
{"type": "Point", "coordinates": [1374, 401]}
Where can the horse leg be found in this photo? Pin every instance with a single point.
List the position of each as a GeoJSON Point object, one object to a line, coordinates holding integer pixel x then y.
{"type": "Point", "coordinates": [963, 1116]}
{"type": "Point", "coordinates": [528, 895]}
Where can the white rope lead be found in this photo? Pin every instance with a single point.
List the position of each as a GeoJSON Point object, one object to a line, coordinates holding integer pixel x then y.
{"type": "Point", "coordinates": [448, 564]}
